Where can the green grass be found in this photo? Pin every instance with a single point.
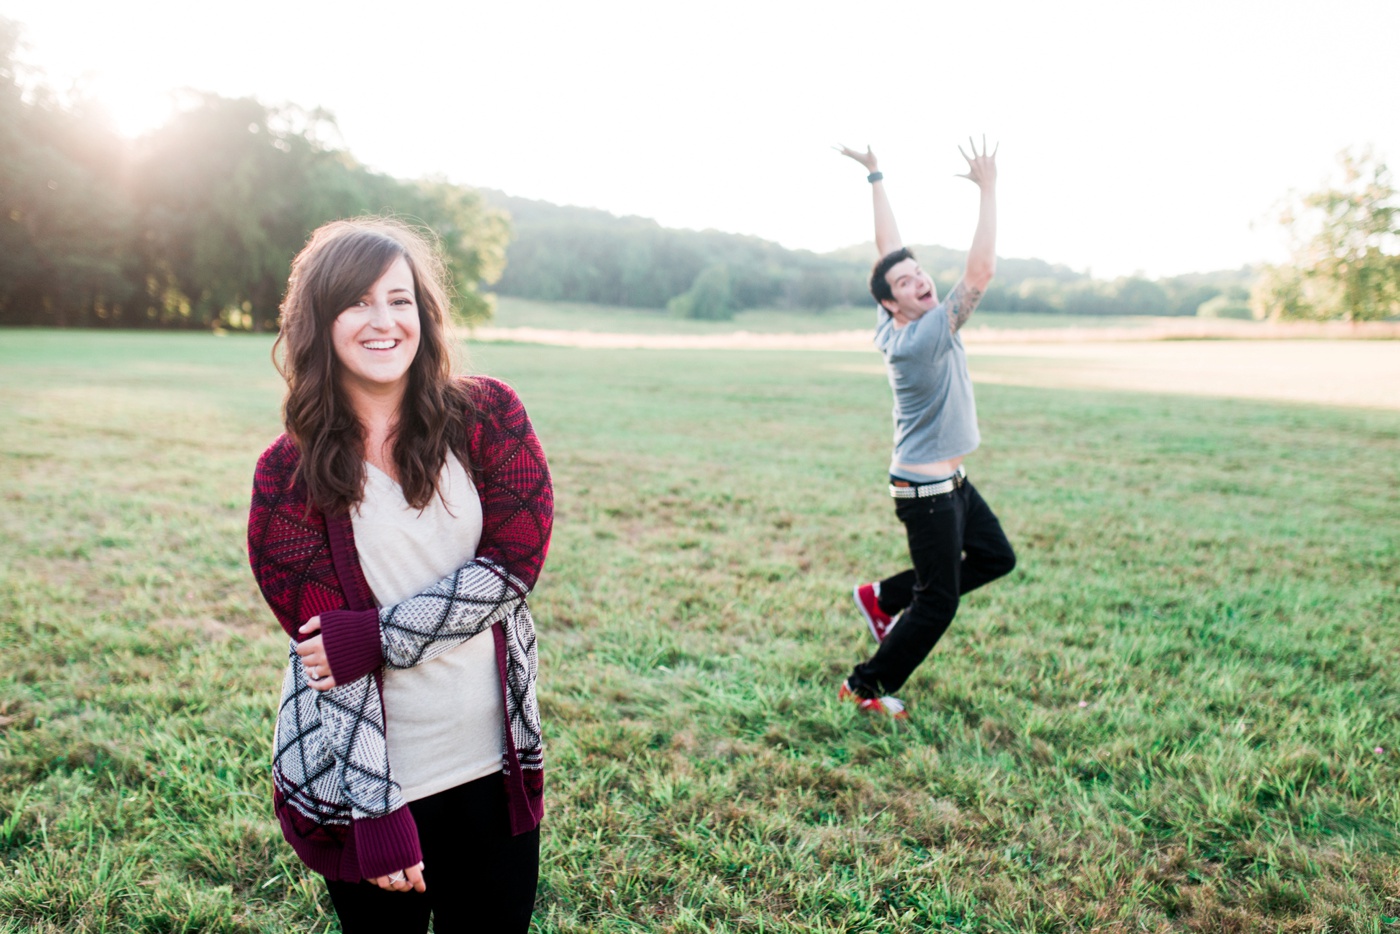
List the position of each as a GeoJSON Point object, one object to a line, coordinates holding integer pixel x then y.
{"type": "Point", "coordinates": [573, 316]}
{"type": "Point", "coordinates": [1167, 719]}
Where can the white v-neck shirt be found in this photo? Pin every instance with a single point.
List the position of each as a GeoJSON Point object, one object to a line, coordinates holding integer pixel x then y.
{"type": "Point", "coordinates": [444, 719]}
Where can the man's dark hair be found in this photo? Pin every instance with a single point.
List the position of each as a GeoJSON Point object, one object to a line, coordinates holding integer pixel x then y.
{"type": "Point", "coordinates": [879, 286]}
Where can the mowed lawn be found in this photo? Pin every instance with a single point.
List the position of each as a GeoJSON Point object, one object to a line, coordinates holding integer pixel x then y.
{"type": "Point", "coordinates": [1178, 714]}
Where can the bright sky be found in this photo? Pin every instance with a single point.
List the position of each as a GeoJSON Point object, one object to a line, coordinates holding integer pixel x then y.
{"type": "Point", "coordinates": [1134, 136]}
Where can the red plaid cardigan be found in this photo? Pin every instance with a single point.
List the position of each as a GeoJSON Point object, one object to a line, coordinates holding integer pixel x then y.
{"type": "Point", "coordinates": [333, 787]}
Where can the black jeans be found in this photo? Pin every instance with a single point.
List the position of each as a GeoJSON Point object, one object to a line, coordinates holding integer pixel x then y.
{"type": "Point", "coordinates": [957, 545]}
{"type": "Point", "coordinates": [478, 876]}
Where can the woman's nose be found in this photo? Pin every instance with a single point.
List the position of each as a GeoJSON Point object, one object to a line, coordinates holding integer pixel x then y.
{"type": "Point", "coordinates": [379, 316]}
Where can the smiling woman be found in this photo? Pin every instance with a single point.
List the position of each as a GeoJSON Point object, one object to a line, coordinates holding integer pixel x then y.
{"type": "Point", "coordinates": [364, 335]}
{"type": "Point", "coordinates": [376, 339]}
{"type": "Point", "coordinates": [396, 530]}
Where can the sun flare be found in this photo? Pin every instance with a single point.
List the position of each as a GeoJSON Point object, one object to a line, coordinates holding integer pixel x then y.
{"type": "Point", "coordinates": [134, 111]}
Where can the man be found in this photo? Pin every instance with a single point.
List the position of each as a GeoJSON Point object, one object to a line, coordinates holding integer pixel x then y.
{"type": "Point", "coordinates": [955, 542]}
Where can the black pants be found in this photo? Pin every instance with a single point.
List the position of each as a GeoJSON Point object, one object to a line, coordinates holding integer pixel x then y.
{"type": "Point", "coordinates": [478, 876]}
{"type": "Point", "coordinates": [957, 545]}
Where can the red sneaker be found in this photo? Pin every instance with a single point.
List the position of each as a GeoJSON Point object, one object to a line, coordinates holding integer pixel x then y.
{"type": "Point", "coordinates": [885, 706]}
{"type": "Point", "coordinates": [868, 603]}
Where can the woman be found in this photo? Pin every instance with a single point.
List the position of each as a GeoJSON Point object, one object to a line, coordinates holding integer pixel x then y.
{"type": "Point", "coordinates": [396, 529]}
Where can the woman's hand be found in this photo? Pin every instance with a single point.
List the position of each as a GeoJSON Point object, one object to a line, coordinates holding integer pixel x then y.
{"type": "Point", "coordinates": [403, 880]}
{"type": "Point", "coordinates": [866, 158]}
{"type": "Point", "coordinates": [981, 169]}
{"type": "Point", "coordinates": [313, 657]}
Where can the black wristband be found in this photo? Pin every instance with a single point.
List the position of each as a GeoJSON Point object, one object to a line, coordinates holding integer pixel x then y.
{"type": "Point", "coordinates": [874, 177]}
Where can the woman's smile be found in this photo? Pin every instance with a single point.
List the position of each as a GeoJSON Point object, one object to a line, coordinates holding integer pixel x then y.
{"type": "Point", "coordinates": [376, 338]}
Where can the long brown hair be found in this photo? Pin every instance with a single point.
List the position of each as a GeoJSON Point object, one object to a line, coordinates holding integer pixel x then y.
{"type": "Point", "coordinates": [340, 262]}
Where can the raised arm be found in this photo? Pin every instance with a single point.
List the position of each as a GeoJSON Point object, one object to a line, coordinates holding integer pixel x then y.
{"type": "Point", "coordinates": [887, 238]}
{"type": "Point", "coordinates": [982, 257]}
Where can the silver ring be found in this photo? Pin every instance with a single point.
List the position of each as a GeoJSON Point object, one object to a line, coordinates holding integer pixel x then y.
{"type": "Point", "coordinates": [398, 877]}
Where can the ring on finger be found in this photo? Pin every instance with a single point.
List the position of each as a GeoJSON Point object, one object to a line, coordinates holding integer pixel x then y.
{"type": "Point", "coordinates": [398, 877]}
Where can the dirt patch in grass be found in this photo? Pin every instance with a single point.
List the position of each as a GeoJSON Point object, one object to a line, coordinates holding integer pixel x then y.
{"type": "Point", "coordinates": [1296, 362]}
{"type": "Point", "coordinates": [1347, 373]}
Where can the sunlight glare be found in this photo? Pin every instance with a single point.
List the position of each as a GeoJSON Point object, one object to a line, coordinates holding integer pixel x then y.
{"type": "Point", "coordinates": [134, 111]}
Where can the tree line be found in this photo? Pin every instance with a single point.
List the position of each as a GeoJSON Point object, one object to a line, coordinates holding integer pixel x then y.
{"type": "Point", "coordinates": [1345, 265]}
{"type": "Point", "coordinates": [562, 253]}
{"type": "Point", "coordinates": [195, 224]}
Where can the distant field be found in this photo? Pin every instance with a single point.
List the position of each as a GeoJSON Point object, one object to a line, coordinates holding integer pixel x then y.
{"type": "Point", "coordinates": [1351, 373]}
{"type": "Point", "coordinates": [1141, 355]}
{"type": "Point", "coordinates": [1180, 713]}
{"type": "Point", "coordinates": [569, 316]}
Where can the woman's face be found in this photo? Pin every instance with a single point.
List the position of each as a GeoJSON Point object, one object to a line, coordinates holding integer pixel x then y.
{"type": "Point", "coordinates": [376, 338]}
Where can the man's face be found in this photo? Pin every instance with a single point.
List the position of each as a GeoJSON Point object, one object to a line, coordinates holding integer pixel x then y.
{"type": "Point", "coordinates": [914, 294]}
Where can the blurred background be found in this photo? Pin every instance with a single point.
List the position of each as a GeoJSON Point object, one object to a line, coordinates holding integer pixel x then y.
{"type": "Point", "coordinates": [162, 162]}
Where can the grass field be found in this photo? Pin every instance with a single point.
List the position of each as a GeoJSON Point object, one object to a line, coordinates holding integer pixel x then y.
{"type": "Point", "coordinates": [1179, 713]}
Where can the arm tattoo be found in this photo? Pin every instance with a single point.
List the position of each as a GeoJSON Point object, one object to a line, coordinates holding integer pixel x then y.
{"type": "Point", "coordinates": [961, 301]}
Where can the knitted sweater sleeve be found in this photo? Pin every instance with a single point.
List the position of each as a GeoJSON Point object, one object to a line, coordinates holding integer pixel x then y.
{"type": "Point", "coordinates": [288, 547]}
{"type": "Point", "coordinates": [517, 505]}
{"type": "Point", "coordinates": [331, 744]}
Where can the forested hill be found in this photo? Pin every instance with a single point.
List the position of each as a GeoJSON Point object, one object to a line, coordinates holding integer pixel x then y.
{"type": "Point", "coordinates": [947, 263]}
{"type": "Point", "coordinates": [561, 252]}
{"type": "Point", "coordinates": [586, 255]}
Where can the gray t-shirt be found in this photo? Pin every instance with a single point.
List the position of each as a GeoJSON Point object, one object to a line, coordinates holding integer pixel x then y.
{"type": "Point", "coordinates": [935, 416]}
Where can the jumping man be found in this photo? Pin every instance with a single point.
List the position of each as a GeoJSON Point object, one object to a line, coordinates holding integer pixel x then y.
{"type": "Point", "coordinates": [955, 542]}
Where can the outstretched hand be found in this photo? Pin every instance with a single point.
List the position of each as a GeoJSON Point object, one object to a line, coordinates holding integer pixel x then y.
{"type": "Point", "coordinates": [981, 168]}
{"type": "Point", "coordinates": [866, 158]}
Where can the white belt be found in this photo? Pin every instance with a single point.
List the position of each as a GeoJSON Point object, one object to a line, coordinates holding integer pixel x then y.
{"type": "Point", "coordinates": [922, 490]}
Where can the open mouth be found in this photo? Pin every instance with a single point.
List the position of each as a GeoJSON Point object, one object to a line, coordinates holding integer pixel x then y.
{"type": "Point", "coordinates": [926, 296]}
{"type": "Point", "coordinates": [379, 345]}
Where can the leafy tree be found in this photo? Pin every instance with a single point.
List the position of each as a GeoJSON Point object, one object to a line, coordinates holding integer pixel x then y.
{"type": "Point", "coordinates": [230, 189]}
{"type": "Point", "coordinates": [1142, 295]}
{"type": "Point", "coordinates": [709, 297]}
{"type": "Point", "coordinates": [1346, 256]}
{"type": "Point", "coordinates": [1225, 306]}
{"type": "Point", "coordinates": [194, 225]}
{"type": "Point", "coordinates": [473, 240]}
{"type": "Point", "coordinates": [223, 208]}
{"type": "Point", "coordinates": [63, 217]}
{"type": "Point", "coordinates": [578, 254]}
